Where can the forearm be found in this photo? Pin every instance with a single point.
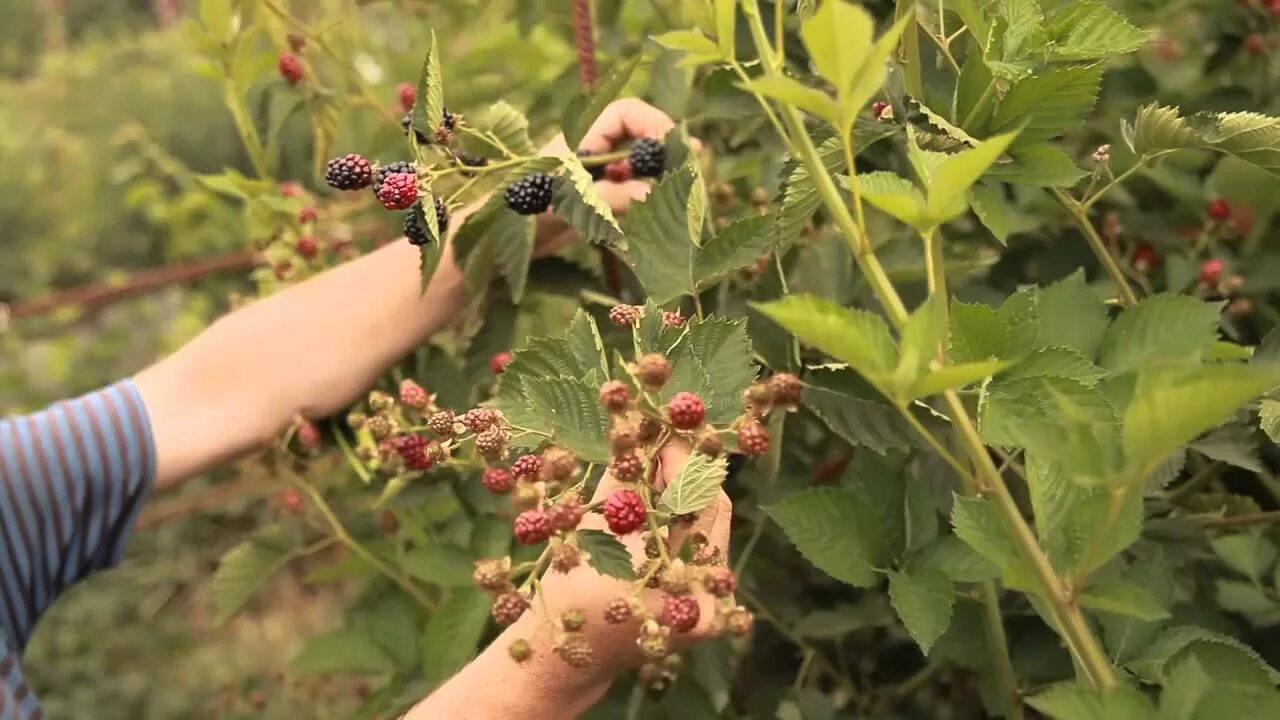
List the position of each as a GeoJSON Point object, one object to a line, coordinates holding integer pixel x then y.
{"type": "Point", "coordinates": [308, 350]}
{"type": "Point", "coordinates": [494, 687]}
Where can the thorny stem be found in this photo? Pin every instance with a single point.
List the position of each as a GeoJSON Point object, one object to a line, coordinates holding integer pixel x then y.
{"type": "Point", "coordinates": [344, 536]}
{"type": "Point", "coordinates": [1081, 217]}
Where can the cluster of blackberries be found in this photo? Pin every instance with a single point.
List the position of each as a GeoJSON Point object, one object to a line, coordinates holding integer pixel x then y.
{"type": "Point", "coordinates": [415, 226]}
{"type": "Point", "coordinates": [396, 187]}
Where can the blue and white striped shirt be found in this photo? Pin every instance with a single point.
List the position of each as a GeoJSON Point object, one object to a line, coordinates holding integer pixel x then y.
{"type": "Point", "coordinates": [72, 479]}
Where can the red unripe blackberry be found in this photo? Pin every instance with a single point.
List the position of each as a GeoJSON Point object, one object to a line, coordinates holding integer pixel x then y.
{"type": "Point", "coordinates": [479, 419]}
{"type": "Point", "coordinates": [624, 511]}
{"type": "Point", "coordinates": [720, 582]}
{"type": "Point", "coordinates": [627, 467]}
{"type": "Point", "coordinates": [408, 95]}
{"type": "Point", "coordinates": [618, 611]}
{"type": "Point", "coordinates": [414, 450]}
{"type": "Point", "coordinates": [672, 318]}
{"type": "Point", "coordinates": [412, 395]}
{"type": "Point", "coordinates": [1211, 271]}
{"type": "Point", "coordinates": [686, 411]}
{"type": "Point", "coordinates": [567, 514]}
{"type": "Point", "coordinates": [680, 612]}
{"type": "Point", "coordinates": [307, 215]}
{"type": "Point", "coordinates": [441, 423]}
{"type": "Point", "coordinates": [498, 480]}
{"type": "Point", "coordinates": [291, 500]}
{"type": "Point", "coordinates": [753, 438]}
{"type": "Point", "coordinates": [308, 434]}
{"type": "Point", "coordinates": [532, 527]}
{"type": "Point", "coordinates": [508, 607]}
{"type": "Point", "coordinates": [653, 370]}
{"type": "Point", "coordinates": [526, 467]}
{"type": "Point", "coordinates": [878, 109]}
{"type": "Point", "coordinates": [785, 389]}
{"type": "Point", "coordinates": [398, 191]}
{"type": "Point", "coordinates": [1256, 44]}
{"type": "Point", "coordinates": [498, 363]}
{"type": "Point", "coordinates": [1144, 258]}
{"type": "Point", "coordinates": [492, 444]}
{"type": "Point", "coordinates": [625, 315]}
{"type": "Point", "coordinates": [615, 396]}
{"type": "Point", "coordinates": [647, 158]}
{"type": "Point", "coordinates": [530, 195]}
{"type": "Point", "coordinates": [290, 67]}
{"type": "Point", "coordinates": [618, 171]}
{"type": "Point", "coordinates": [348, 172]}
{"type": "Point", "coordinates": [1219, 209]}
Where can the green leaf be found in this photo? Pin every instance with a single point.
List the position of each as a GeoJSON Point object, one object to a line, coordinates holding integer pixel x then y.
{"type": "Point", "coordinates": [245, 569]}
{"type": "Point", "coordinates": [349, 651]}
{"type": "Point", "coordinates": [1080, 528]}
{"type": "Point", "coordinates": [838, 38]}
{"type": "Point", "coordinates": [1023, 38]}
{"type": "Point", "coordinates": [1234, 444]}
{"type": "Point", "coordinates": [1089, 30]}
{"type": "Point", "coordinates": [1052, 361]}
{"type": "Point", "coordinates": [977, 333]}
{"type": "Point", "coordinates": [725, 25]}
{"type": "Point", "coordinates": [1121, 597]}
{"type": "Point", "coordinates": [508, 125]}
{"type": "Point", "coordinates": [441, 565]}
{"type": "Point", "coordinates": [739, 245]}
{"type": "Point", "coordinates": [1169, 328]}
{"type": "Point", "coordinates": [921, 340]}
{"type": "Point", "coordinates": [1076, 701]}
{"type": "Point", "coordinates": [793, 92]}
{"type": "Point", "coordinates": [584, 343]}
{"type": "Point", "coordinates": [1249, 554]}
{"type": "Point", "coordinates": [606, 554]}
{"type": "Point", "coordinates": [576, 200]}
{"type": "Point", "coordinates": [957, 560]}
{"type": "Point", "coordinates": [933, 132]}
{"type": "Point", "coordinates": [954, 176]}
{"type": "Point", "coordinates": [660, 250]}
{"type": "Point", "coordinates": [1071, 315]}
{"type": "Point", "coordinates": [857, 412]}
{"type": "Point", "coordinates": [1039, 165]}
{"type": "Point", "coordinates": [581, 113]}
{"type": "Point", "coordinates": [713, 358]}
{"type": "Point", "coordinates": [954, 376]}
{"type": "Point", "coordinates": [1059, 419]}
{"type": "Point", "coordinates": [1251, 137]}
{"type": "Point", "coordinates": [1158, 129]}
{"type": "Point", "coordinates": [698, 48]}
{"type": "Point", "coordinates": [1049, 103]}
{"type": "Point", "coordinates": [1223, 657]}
{"type": "Point", "coordinates": [1269, 418]}
{"type": "Point", "coordinates": [569, 410]}
{"type": "Point", "coordinates": [923, 600]}
{"type": "Point", "coordinates": [997, 214]}
{"type": "Point", "coordinates": [799, 194]}
{"type": "Point", "coordinates": [695, 487]}
{"type": "Point", "coordinates": [1171, 406]}
{"type": "Point", "coordinates": [977, 523]}
{"type": "Point", "coordinates": [452, 632]}
{"type": "Point", "coordinates": [856, 337]}
{"type": "Point", "coordinates": [973, 82]}
{"type": "Point", "coordinates": [823, 524]}
{"type": "Point", "coordinates": [894, 195]}
{"type": "Point", "coordinates": [428, 112]}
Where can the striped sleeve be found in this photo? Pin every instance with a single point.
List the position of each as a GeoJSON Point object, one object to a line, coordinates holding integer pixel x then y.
{"type": "Point", "coordinates": [72, 479]}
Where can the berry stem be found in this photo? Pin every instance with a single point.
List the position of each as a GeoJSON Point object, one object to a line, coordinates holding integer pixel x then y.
{"type": "Point", "coordinates": [1079, 214]}
{"type": "Point", "coordinates": [538, 566]}
{"type": "Point", "coordinates": [349, 455]}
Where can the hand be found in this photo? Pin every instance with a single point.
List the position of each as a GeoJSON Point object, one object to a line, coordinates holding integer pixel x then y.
{"type": "Point", "coordinates": [628, 118]}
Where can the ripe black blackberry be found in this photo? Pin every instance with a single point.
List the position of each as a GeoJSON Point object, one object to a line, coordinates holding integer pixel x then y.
{"type": "Point", "coordinates": [647, 158]}
{"type": "Point", "coordinates": [348, 172]}
{"type": "Point", "coordinates": [414, 227]}
{"type": "Point", "coordinates": [449, 120]}
{"type": "Point", "coordinates": [597, 170]}
{"type": "Point", "coordinates": [400, 166]}
{"type": "Point", "coordinates": [406, 122]}
{"type": "Point", "coordinates": [530, 195]}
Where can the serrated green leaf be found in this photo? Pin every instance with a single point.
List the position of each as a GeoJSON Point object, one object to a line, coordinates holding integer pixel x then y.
{"type": "Point", "coordinates": [1171, 406]}
{"type": "Point", "coordinates": [1070, 314]}
{"type": "Point", "coordinates": [933, 132]}
{"type": "Point", "coordinates": [793, 92]}
{"type": "Point", "coordinates": [1023, 38]}
{"type": "Point", "coordinates": [508, 125]}
{"type": "Point", "coordinates": [738, 246]}
{"type": "Point", "coordinates": [874, 71]}
{"type": "Point", "coordinates": [569, 411]}
{"type": "Point", "coordinates": [977, 522]}
{"type": "Point", "coordinates": [1076, 701]}
{"type": "Point", "coordinates": [799, 195]}
{"type": "Point", "coordinates": [442, 565]}
{"type": "Point", "coordinates": [1048, 104]}
{"type": "Point", "coordinates": [428, 111]}
{"type": "Point", "coordinates": [1249, 554]}
{"type": "Point", "coordinates": [452, 632]}
{"type": "Point", "coordinates": [1038, 165]}
{"type": "Point", "coordinates": [695, 487]}
{"type": "Point", "coordinates": [955, 175]}
{"type": "Point", "coordinates": [1269, 418]}
{"type": "Point", "coordinates": [923, 600]}
{"type": "Point", "coordinates": [1053, 361]}
{"type": "Point", "coordinates": [997, 213]}
{"type": "Point", "coordinates": [974, 81]}
{"type": "Point", "coordinates": [1079, 527]}
{"type": "Point", "coordinates": [894, 195]}
{"type": "Point", "coordinates": [606, 554]}
{"type": "Point", "coordinates": [856, 337]}
{"type": "Point", "coordinates": [1234, 444]}
{"type": "Point", "coordinates": [719, 353]}
{"type": "Point", "coordinates": [950, 555]}
{"type": "Point", "coordinates": [1121, 597]}
{"type": "Point", "coordinates": [823, 524]}
{"type": "Point", "coordinates": [977, 333]}
{"type": "Point", "coordinates": [1251, 137]}
{"type": "Point", "coordinates": [1223, 657]}
{"type": "Point", "coordinates": [954, 376]}
{"type": "Point", "coordinates": [698, 48]}
{"type": "Point", "coordinates": [348, 651]}
{"type": "Point", "coordinates": [857, 412]}
{"type": "Point", "coordinates": [1089, 30]}
{"type": "Point", "coordinates": [838, 38]}
{"type": "Point", "coordinates": [1168, 328]}
{"type": "Point", "coordinates": [921, 340]}
{"type": "Point", "coordinates": [576, 200]}
{"type": "Point", "coordinates": [580, 115]}
{"type": "Point", "coordinates": [245, 569]}
{"type": "Point", "coordinates": [585, 344]}
{"type": "Point", "coordinates": [428, 260]}
{"type": "Point", "coordinates": [660, 250]}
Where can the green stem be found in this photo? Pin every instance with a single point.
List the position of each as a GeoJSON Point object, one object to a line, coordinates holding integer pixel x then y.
{"type": "Point", "coordinates": [349, 455]}
{"type": "Point", "coordinates": [1095, 197]}
{"type": "Point", "coordinates": [912, 79]}
{"type": "Point", "coordinates": [248, 133]}
{"type": "Point", "coordinates": [981, 106]}
{"type": "Point", "coordinates": [998, 644]}
{"type": "Point", "coordinates": [768, 109]}
{"type": "Point", "coordinates": [1206, 474]}
{"type": "Point", "coordinates": [1081, 217]}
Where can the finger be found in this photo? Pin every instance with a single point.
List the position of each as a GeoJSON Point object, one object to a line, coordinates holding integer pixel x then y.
{"type": "Point", "coordinates": [711, 524]}
{"type": "Point", "coordinates": [619, 196]}
{"type": "Point", "coordinates": [626, 118]}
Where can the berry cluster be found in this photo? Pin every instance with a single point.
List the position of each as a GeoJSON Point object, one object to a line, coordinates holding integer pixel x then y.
{"type": "Point", "coordinates": [530, 195]}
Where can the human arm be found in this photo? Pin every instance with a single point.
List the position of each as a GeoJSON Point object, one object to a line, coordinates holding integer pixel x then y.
{"type": "Point", "coordinates": [544, 687]}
